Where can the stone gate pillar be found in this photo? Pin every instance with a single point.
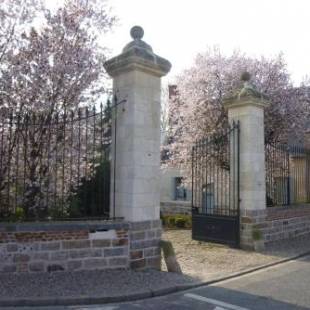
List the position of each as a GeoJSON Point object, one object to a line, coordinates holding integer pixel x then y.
{"type": "Point", "coordinates": [136, 74]}
{"type": "Point", "coordinates": [247, 107]}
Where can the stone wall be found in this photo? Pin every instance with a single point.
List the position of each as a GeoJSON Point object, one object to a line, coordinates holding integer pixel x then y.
{"type": "Point", "coordinates": [262, 227]}
{"type": "Point", "coordinates": [251, 222]}
{"type": "Point", "coordinates": [144, 244]}
{"type": "Point", "coordinates": [176, 207]}
{"type": "Point", "coordinates": [47, 247]}
{"type": "Point", "coordinates": [286, 223]}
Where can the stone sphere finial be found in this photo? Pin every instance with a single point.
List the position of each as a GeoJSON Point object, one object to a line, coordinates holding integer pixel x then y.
{"type": "Point", "coordinates": [245, 76]}
{"type": "Point", "coordinates": [137, 32]}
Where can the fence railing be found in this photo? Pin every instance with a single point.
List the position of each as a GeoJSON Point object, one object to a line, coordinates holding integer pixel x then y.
{"type": "Point", "coordinates": [55, 165]}
{"type": "Point", "coordinates": [287, 174]}
{"type": "Point", "coordinates": [215, 176]}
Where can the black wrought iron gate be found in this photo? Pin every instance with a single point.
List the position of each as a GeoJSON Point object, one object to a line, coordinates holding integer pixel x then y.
{"type": "Point", "coordinates": [215, 188]}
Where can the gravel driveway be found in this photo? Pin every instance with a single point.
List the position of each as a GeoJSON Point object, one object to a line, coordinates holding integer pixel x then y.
{"type": "Point", "coordinates": [209, 261]}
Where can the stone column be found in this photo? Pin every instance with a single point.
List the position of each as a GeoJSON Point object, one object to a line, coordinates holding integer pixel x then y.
{"type": "Point", "coordinates": [247, 107]}
{"type": "Point", "coordinates": [136, 74]}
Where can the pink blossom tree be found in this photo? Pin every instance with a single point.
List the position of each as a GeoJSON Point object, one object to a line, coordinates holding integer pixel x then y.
{"type": "Point", "coordinates": [51, 64]}
{"type": "Point", "coordinates": [196, 107]}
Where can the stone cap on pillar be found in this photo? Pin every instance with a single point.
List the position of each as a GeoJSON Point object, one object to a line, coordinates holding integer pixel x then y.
{"type": "Point", "coordinates": [137, 55]}
{"type": "Point", "coordinates": [247, 95]}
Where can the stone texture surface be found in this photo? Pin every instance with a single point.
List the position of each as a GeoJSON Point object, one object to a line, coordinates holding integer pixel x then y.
{"type": "Point", "coordinates": [252, 158]}
{"type": "Point", "coordinates": [247, 108]}
{"type": "Point", "coordinates": [39, 247]}
{"type": "Point", "coordinates": [136, 76]}
{"type": "Point", "coordinates": [144, 244]}
{"type": "Point", "coordinates": [286, 223]}
{"type": "Point", "coordinates": [259, 228]}
{"type": "Point", "coordinates": [138, 147]}
{"type": "Point", "coordinates": [176, 207]}
{"type": "Point", "coordinates": [115, 245]}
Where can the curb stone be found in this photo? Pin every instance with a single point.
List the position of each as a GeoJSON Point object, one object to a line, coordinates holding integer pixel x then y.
{"type": "Point", "coordinates": [86, 300]}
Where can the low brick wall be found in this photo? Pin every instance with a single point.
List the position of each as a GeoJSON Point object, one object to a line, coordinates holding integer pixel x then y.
{"type": "Point", "coordinates": [262, 227]}
{"type": "Point", "coordinates": [286, 222]}
{"type": "Point", "coordinates": [251, 221]}
{"type": "Point", "coordinates": [176, 207]}
{"type": "Point", "coordinates": [47, 247]}
{"type": "Point", "coordinates": [144, 244]}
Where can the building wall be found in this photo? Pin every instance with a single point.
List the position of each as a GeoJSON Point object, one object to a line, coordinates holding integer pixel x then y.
{"type": "Point", "coordinates": [167, 176]}
{"type": "Point", "coordinates": [167, 184]}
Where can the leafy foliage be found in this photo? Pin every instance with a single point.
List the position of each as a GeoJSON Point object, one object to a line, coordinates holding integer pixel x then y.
{"type": "Point", "coordinates": [51, 70]}
{"type": "Point", "coordinates": [196, 106]}
{"type": "Point", "coordinates": [177, 221]}
{"type": "Point", "coordinates": [92, 196]}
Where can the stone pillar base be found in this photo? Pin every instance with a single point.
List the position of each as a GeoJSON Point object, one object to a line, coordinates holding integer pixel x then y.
{"type": "Point", "coordinates": [144, 244]}
{"type": "Point", "coordinates": [252, 223]}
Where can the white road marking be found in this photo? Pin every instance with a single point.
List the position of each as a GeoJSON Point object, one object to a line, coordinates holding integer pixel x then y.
{"type": "Point", "coordinates": [214, 302]}
{"type": "Point", "coordinates": [219, 308]}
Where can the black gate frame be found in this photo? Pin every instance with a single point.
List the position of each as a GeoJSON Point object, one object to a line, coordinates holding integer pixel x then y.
{"type": "Point", "coordinates": [216, 213]}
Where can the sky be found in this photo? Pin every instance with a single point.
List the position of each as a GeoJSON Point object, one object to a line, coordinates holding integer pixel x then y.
{"type": "Point", "coordinates": [179, 29]}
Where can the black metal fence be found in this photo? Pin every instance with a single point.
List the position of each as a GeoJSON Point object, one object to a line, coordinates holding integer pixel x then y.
{"type": "Point", "coordinates": [215, 179]}
{"type": "Point", "coordinates": [55, 166]}
{"type": "Point", "coordinates": [215, 186]}
{"type": "Point", "coordinates": [287, 174]}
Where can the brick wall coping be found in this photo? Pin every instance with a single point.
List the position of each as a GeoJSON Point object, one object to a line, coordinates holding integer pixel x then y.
{"type": "Point", "coordinates": [287, 212]}
{"type": "Point", "coordinates": [64, 226]}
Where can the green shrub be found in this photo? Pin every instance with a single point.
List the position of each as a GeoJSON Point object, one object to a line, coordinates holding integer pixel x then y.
{"type": "Point", "coordinates": [92, 196]}
{"type": "Point", "coordinates": [176, 221]}
{"type": "Point", "coordinates": [180, 222]}
{"type": "Point", "coordinates": [171, 221]}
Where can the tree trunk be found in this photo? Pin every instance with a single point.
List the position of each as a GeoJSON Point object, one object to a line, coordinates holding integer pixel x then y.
{"type": "Point", "coordinates": [169, 256]}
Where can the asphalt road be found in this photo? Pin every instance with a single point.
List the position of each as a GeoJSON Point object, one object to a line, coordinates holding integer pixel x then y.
{"type": "Point", "coordinates": [286, 286]}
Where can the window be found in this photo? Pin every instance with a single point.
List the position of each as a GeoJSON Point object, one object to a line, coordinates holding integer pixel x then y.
{"type": "Point", "coordinates": [179, 190]}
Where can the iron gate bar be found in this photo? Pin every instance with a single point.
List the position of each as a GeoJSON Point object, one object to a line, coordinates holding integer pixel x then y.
{"type": "Point", "coordinates": [49, 164]}
{"type": "Point", "coordinates": [215, 187]}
